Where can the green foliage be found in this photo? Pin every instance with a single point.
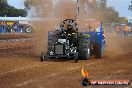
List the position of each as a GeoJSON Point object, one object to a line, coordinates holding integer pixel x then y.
{"type": "Point", "coordinates": [27, 4]}
{"type": "Point", "coordinates": [99, 10]}
{"type": "Point", "coordinates": [130, 7]}
{"type": "Point", "coordinates": [109, 14]}
{"type": "Point", "coordinates": [103, 4]}
{"type": "Point", "coordinates": [10, 11]}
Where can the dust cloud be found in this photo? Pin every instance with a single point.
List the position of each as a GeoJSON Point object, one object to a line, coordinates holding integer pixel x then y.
{"type": "Point", "coordinates": [117, 45]}
{"type": "Point", "coordinates": [51, 14]}
{"type": "Point", "coordinates": [65, 9]}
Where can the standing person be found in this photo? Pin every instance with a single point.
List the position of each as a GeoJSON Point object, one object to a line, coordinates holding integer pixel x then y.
{"type": "Point", "coordinates": [1, 28]}
{"type": "Point", "coordinates": [4, 28]}
{"type": "Point", "coordinates": [117, 30]}
{"type": "Point", "coordinates": [15, 27]}
{"type": "Point", "coordinates": [7, 28]}
{"type": "Point", "coordinates": [125, 30]}
{"type": "Point", "coordinates": [11, 30]}
{"type": "Point", "coordinates": [131, 28]}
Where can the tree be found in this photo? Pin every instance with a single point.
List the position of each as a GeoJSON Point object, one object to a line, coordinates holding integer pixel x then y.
{"type": "Point", "coordinates": [130, 7]}
{"type": "Point", "coordinates": [98, 9]}
{"type": "Point", "coordinates": [10, 11]}
{"type": "Point", "coordinates": [102, 4]}
{"type": "Point", "coordinates": [27, 4]}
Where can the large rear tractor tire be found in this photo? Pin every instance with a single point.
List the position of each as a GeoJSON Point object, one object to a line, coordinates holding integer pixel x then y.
{"type": "Point", "coordinates": [84, 49]}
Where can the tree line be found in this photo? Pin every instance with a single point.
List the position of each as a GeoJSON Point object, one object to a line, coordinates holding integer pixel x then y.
{"type": "Point", "coordinates": [10, 11]}
{"type": "Point", "coordinates": [130, 7]}
{"type": "Point", "coordinates": [99, 9]}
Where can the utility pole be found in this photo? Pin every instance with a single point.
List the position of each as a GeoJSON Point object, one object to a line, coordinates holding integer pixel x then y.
{"type": "Point", "coordinates": [77, 9]}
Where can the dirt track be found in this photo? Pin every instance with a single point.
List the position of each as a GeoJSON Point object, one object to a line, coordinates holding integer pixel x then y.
{"type": "Point", "coordinates": [21, 69]}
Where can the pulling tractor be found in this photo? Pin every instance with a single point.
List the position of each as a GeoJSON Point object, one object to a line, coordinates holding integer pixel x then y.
{"type": "Point", "coordinates": [67, 42]}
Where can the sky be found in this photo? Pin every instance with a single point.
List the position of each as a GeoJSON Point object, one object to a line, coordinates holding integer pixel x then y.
{"type": "Point", "coordinates": [119, 5]}
{"type": "Point", "coordinates": [16, 3]}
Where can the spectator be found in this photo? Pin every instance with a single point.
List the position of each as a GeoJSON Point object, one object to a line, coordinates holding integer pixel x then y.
{"type": "Point", "coordinates": [15, 27]}
{"type": "Point", "coordinates": [125, 30]}
{"type": "Point", "coordinates": [117, 30]}
{"type": "Point", "coordinates": [131, 28]}
{"type": "Point", "coordinates": [7, 28]}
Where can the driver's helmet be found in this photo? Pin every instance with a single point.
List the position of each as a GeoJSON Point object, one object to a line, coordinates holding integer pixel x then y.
{"type": "Point", "coordinates": [70, 25]}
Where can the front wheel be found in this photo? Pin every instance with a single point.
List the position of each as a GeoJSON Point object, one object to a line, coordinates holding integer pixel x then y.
{"type": "Point", "coordinates": [84, 49]}
{"type": "Point", "coordinates": [76, 57]}
{"type": "Point", "coordinates": [42, 56]}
